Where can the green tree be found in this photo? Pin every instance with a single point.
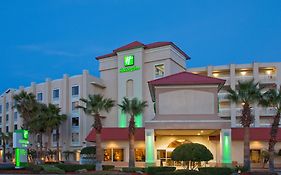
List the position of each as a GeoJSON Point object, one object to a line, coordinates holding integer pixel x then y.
{"type": "Point", "coordinates": [5, 139]}
{"type": "Point", "coordinates": [26, 105]}
{"type": "Point", "coordinates": [133, 108]}
{"type": "Point", "coordinates": [248, 93]}
{"type": "Point", "coordinates": [93, 106]}
{"type": "Point", "coordinates": [272, 98]}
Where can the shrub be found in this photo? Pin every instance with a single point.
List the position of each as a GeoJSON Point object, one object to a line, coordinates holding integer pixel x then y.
{"type": "Point", "coordinates": [75, 167]}
{"type": "Point", "coordinates": [132, 170]}
{"type": "Point", "coordinates": [259, 173]}
{"type": "Point", "coordinates": [88, 150]}
{"type": "Point", "coordinates": [34, 168]}
{"type": "Point", "coordinates": [217, 170]}
{"type": "Point", "coordinates": [156, 169]}
{"type": "Point", "coordinates": [182, 172]}
{"type": "Point", "coordinates": [7, 166]}
{"type": "Point", "coordinates": [108, 167]}
{"type": "Point", "coordinates": [52, 169]}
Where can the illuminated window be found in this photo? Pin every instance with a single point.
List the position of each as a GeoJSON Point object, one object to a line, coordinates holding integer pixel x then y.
{"type": "Point", "coordinates": [118, 155]}
{"type": "Point", "coordinates": [56, 94]}
{"type": "Point", "coordinates": [75, 137]}
{"type": "Point", "coordinates": [39, 96]}
{"type": "Point", "coordinates": [159, 71]}
{"type": "Point", "coordinates": [75, 90]}
{"type": "Point", "coordinates": [74, 104]}
{"type": "Point", "coordinates": [107, 155]}
{"type": "Point", "coordinates": [140, 155]}
{"type": "Point", "coordinates": [75, 121]}
{"type": "Point", "coordinates": [161, 154]}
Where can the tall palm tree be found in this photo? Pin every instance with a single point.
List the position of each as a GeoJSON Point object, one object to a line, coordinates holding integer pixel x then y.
{"type": "Point", "coordinates": [272, 98]}
{"type": "Point", "coordinates": [55, 119]}
{"type": "Point", "coordinates": [133, 108]}
{"type": "Point", "coordinates": [248, 93]}
{"type": "Point", "coordinates": [26, 105]}
{"type": "Point", "coordinates": [94, 105]}
{"type": "Point", "coordinates": [5, 139]}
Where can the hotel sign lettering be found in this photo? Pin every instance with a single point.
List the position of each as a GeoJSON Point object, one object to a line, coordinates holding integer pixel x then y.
{"type": "Point", "coordinates": [129, 61]}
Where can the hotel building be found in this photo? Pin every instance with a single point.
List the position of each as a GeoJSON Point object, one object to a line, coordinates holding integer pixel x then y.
{"type": "Point", "coordinates": [183, 106]}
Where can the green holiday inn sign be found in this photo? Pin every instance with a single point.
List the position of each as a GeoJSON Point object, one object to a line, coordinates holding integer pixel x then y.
{"type": "Point", "coordinates": [129, 61]}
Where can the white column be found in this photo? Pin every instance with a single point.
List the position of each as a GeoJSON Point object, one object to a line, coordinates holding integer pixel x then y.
{"type": "Point", "coordinates": [225, 146]}
{"type": "Point", "coordinates": [149, 147]}
{"type": "Point", "coordinates": [256, 109]}
{"type": "Point", "coordinates": [210, 71]}
{"type": "Point", "coordinates": [232, 81]}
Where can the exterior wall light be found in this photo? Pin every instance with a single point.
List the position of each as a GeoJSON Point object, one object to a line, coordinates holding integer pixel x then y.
{"type": "Point", "coordinates": [243, 73]}
{"type": "Point", "coordinates": [216, 74]}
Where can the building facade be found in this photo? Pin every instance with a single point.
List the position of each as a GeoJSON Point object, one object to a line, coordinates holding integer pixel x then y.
{"type": "Point", "coordinates": [183, 106]}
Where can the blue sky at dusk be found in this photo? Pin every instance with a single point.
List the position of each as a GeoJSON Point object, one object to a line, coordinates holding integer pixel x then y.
{"type": "Point", "coordinates": [40, 39]}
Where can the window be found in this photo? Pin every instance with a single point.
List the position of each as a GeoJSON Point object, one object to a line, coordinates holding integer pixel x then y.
{"type": "Point", "coordinates": [255, 155]}
{"type": "Point", "coordinates": [15, 127]}
{"type": "Point", "coordinates": [7, 129]}
{"type": "Point", "coordinates": [0, 121]}
{"type": "Point", "coordinates": [75, 137]}
{"type": "Point", "coordinates": [161, 154]}
{"type": "Point", "coordinates": [74, 104]}
{"type": "Point", "coordinates": [0, 109]}
{"type": "Point", "coordinates": [56, 94]}
{"type": "Point", "coordinates": [75, 90]}
{"type": "Point", "coordinates": [40, 96]}
{"type": "Point", "coordinates": [54, 136]}
{"type": "Point", "coordinates": [75, 121]}
{"type": "Point", "coordinates": [7, 117]}
{"type": "Point", "coordinates": [118, 155]}
{"type": "Point", "coordinates": [7, 106]}
{"type": "Point", "coordinates": [159, 71]}
{"type": "Point", "coordinates": [15, 116]}
{"type": "Point", "coordinates": [107, 155]}
{"type": "Point", "coordinates": [140, 155]}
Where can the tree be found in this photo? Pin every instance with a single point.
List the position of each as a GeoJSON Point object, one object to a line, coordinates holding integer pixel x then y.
{"type": "Point", "coordinates": [53, 121]}
{"type": "Point", "coordinates": [133, 108]}
{"type": "Point", "coordinates": [192, 153]}
{"type": "Point", "coordinates": [5, 139]}
{"type": "Point", "coordinates": [248, 93]}
{"type": "Point", "coordinates": [272, 98]}
{"type": "Point", "coordinates": [94, 105]}
{"type": "Point", "coordinates": [26, 105]}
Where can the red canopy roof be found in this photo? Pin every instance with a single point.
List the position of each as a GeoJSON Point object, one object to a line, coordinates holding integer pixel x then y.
{"type": "Point", "coordinates": [184, 78]}
{"type": "Point", "coordinates": [116, 134]}
{"type": "Point", "coordinates": [137, 44]}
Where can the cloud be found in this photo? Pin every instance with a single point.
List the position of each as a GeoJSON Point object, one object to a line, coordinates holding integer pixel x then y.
{"type": "Point", "coordinates": [48, 51]}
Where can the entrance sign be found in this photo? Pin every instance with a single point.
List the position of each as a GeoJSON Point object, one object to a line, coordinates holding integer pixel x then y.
{"type": "Point", "coordinates": [129, 61]}
{"type": "Point", "coordinates": [20, 143]}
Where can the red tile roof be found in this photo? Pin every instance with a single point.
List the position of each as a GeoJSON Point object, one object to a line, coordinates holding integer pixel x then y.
{"type": "Point", "coordinates": [137, 44]}
{"type": "Point", "coordinates": [183, 78]}
{"type": "Point", "coordinates": [116, 134]}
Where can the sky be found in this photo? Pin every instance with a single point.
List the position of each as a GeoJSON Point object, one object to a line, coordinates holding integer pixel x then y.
{"type": "Point", "coordinates": [40, 39]}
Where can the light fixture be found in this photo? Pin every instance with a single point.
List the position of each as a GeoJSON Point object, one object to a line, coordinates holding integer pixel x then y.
{"type": "Point", "coordinates": [198, 134]}
{"type": "Point", "coordinates": [181, 140]}
{"type": "Point", "coordinates": [243, 73]}
{"type": "Point", "coordinates": [201, 131]}
{"type": "Point", "coordinates": [242, 103]}
{"type": "Point", "coordinates": [215, 74]}
{"type": "Point", "coordinates": [268, 72]}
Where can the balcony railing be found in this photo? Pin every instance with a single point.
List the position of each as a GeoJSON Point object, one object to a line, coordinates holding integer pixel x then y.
{"type": "Point", "coordinates": [267, 111]}
{"type": "Point", "coordinates": [224, 112]}
{"type": "Point", "coordinates": [243, 78]}
{"type": "Point", "coordinates": [223, 96]}
{"type": "Point", "coordinates": [267, 78]}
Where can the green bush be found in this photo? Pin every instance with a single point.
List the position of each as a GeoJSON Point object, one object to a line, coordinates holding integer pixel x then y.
{"type": "Point", "coordinates": [157, 169]}
{"type": "Point", "coordinates": [52, 169]}
{"type": "Point", "coordinates": [88, 150]}
{"type": "Point", "coordinates": [34, 168]}
{"type": "Point", "coordinates": [217, 170]}
{"type": "Point", "coordinates": [132, 170]}
{"type": "Point", "coordinates": [75, 167]}
{"type": "Point", "coordinates": [7, 166]}
{"type": "Point", "coordinates": [182, 172]}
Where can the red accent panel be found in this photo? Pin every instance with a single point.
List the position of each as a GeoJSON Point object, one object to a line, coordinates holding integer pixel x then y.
{"type": "Point", "coordinates": [256, 134]}
{"type": "Point", "coordinates": [116, 134]}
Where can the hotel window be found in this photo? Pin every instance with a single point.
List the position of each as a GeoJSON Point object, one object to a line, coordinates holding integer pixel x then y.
{"type": "Point", "coordinates": [75, 137]}
{"type": "Point", "coordinates": [7, 129]}
{"type": "Point", "coordinates": [15, 127]}
{"type": "Point", "coordinates": [118, 155]}
{"type": "Point", "coordinates": [15, 116]}
{"type": "Point", "coordinates": [40, 96]}
{"type": "Point", "coordinates": [161, 154]}
{"type": "Point", "coordinates": [75, 121]}
{"type": "Point", "coordinates": [159, 70]}
{"type": "Point", "coordinates": [0, 109]}
{"type": "Point", "coordinates": [7, 117]}
{"type": "Point", "coordinates": [0, 121]}
{"type": "Point", "coordinates": [75, 90]}
{"type": "Point", "coordinates": [74, 104]}
{"type": "Point", "coordinates": [7, 106]}
{"type": "Point", "coordinates": [56, 94]}
{"type": "Point", "coordinates": [140, 155]}
{"type": "Point", "coordinates": [54, 137]}
{"type": "Point", "coordinates": [107, 156]}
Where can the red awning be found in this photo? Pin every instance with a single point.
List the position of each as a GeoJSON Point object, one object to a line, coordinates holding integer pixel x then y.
{"type": "Point", "coordinates": [116, 134]}
{"type": "Point", "coordinates": [256, 134]}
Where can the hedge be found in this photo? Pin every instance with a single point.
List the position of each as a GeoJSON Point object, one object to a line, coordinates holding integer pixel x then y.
{"type": "Point", "coordinates": [34, 168]}
{"type": "Point", "coordinates": [75, 167]}
{"type": "Point", "coordinates": [153, 169]}
{"type": "Point", "coordinates": [7, 166]}
{"type": "Point", "coordinates": [52, 169]}
{"type": "Point", "coordinates": [217, 170]}
{"type": "Point", "coordinates": [132, 170]}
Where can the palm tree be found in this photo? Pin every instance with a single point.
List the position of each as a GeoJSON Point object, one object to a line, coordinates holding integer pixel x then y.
{"type": "Point", "coordinates": [248, 93]}
{"type": "Point", "coordinates": [272, 98]}
{"type": "Point", "coordinates": [55, 119]}
{"type": "Point", "coordinates": [94, 105]}
{"type": "Point", "coordinates": [5, 139]}
{"type": "Point", "coordinates": [133, 108]}
{"type": "Point", "coordinates": [26, 105]}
